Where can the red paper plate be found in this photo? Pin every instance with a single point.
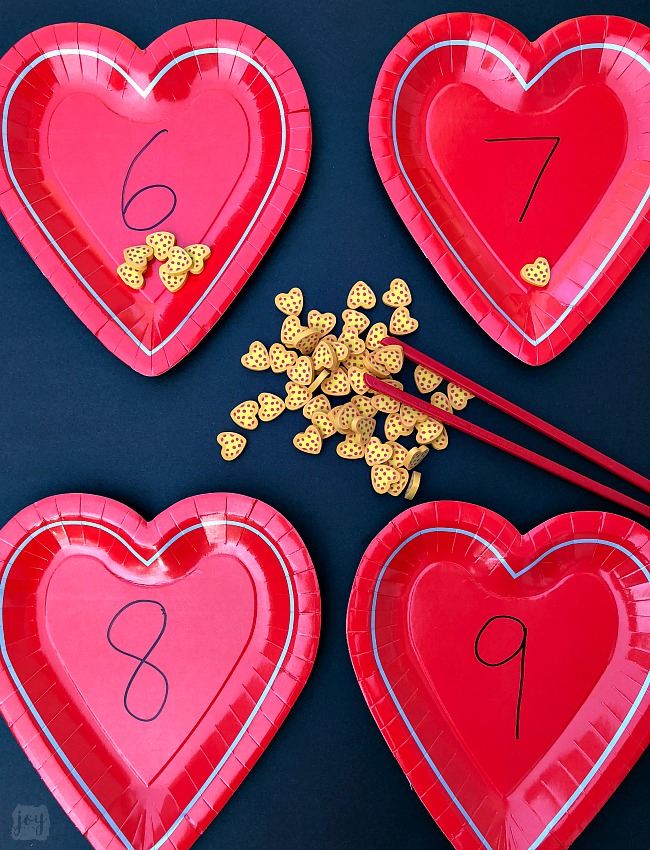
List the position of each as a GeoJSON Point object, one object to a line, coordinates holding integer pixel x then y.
{"type": "Point", "coordinates": [146, 666]}
{"type": "Point", "coordinates": [496, 151]}
{"type": "Point", "coordinates": [508, 674]}
{"type": "Point", "coordinates": [206, 134]}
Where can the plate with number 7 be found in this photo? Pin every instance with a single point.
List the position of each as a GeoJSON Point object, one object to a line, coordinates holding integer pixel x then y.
{"type": "Point", "coordinates": [205, 134]}
{"type": "Point", "coordinates": [508, 674]}
{"type": "Point", "coordinates": [504, 157]}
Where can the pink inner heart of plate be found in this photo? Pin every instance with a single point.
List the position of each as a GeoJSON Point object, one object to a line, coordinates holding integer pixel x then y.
{"type": "Point", "coordinates": [121, 167]}
{"type": "Point", "coordinates": [192, 161]}
{"type": "Point", "coordinates": [567, 658]}
{"type": "Point", "coordinates": [149, 708]}
{"type": "Point", "coordinates": [489, 172]}
{"type": "Point", "coordinates": [509, 186]}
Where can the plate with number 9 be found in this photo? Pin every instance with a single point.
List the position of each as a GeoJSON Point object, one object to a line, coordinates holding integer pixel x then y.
{"type": "Point", "coordinates": [205, 134]}
{"type": "Point", "coordinates": [508, 673]}
{"type": "Point", "coordinates": [520, 168]}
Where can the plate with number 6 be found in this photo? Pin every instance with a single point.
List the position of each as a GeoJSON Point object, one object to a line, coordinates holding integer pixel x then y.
{"type": "Point", "coordinates": [205, 134]}
{"type": "Point", "coordinates": [508, 673]}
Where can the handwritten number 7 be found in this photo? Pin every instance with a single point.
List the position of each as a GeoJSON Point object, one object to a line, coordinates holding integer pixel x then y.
{"type": "Point", "coordinates": [556, 142]}
{"type": "Point", "coordinates": [519, 651]}
{"type": "Point", "coordinates": [126, 204]}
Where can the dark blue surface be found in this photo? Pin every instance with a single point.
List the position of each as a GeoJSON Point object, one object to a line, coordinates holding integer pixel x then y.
{"type": "Point", "coordinates": [75, 418]}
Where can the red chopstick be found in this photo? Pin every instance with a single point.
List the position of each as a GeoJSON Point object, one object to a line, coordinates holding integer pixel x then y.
{"type": "Point", "coordinates": [501, 442]}
{"type": "Point", "coordinates": [524, 416]}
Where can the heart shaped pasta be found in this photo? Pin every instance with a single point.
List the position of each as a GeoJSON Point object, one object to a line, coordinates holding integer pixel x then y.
{"type": "Point", "coordinates": [280, 358]}
{"type": "Point", "coordinates": [245, 415]}
{"type": "Point", "coordinates": [257, 358]}
{"type": "Point", "coordinates": [290, 302]}
{"type": "Point", "coordinates": [337, 384]}
{"type": "Point", "coordinates": [398, 295]}
{"type": "Point", "coordinates": [309, 441]}
{"type": "Point", "coordinates": [401, 322]}
{"type": "Point", "coordinates": [232, 444]}
{"type": "Point", "coordinates": [271, 406]}
{"type": "Point", "coordinates": [378, 452]}
{"type": "Point", "coordinates": [350, 448]}
{"type": "Point", "coordinates": [537, 273]}
{"type": "Point", "coordinates": [361, 295]}
{"type": "Point", "coordinates": [297, 396]}
{"type": "Point", "coordinates": [382, 477]}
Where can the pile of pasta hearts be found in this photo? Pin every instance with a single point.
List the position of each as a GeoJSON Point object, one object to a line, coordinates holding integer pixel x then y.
{"type": "Point", "coordinates": [323, 366]}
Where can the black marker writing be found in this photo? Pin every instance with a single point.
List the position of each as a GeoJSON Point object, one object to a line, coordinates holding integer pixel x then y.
{"type": "Point", "coordinates": [520, 650]}
{"type": "Point", "coordinates": [144, 659]}
{"type": "Point", "coordinates": [126, 204]}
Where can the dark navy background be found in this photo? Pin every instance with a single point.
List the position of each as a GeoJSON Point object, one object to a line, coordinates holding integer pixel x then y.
{"type": "Point", "coordinates": [74, 418]}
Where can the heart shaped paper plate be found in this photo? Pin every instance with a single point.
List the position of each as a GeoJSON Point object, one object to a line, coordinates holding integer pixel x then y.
{"type": "Point", "coordinates": [508, 674]}
{"type": "Point", "coordinates": [504, 157]}
{"type": "Point", "coordinates": [146, 666]}
{"type": "Point", "coordinates": [205, 134]}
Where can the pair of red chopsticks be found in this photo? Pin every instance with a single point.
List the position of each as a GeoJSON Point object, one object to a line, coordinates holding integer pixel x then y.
{"type": "Point", "coordinates": [507, 445]}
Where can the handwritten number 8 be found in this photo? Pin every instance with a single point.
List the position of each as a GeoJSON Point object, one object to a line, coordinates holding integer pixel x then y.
{"type": "Point", "coordinates": [126, 204]}
{"type": "Point", "coordinates": [520, 650]}
{"type": "Point", "coordinates": [142, 659]}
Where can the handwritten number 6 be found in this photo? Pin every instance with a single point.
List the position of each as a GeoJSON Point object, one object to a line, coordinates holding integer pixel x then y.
{"type": "Point", "coordinates": [520, 650]}
{"type": "Point", "coordinates": [126, 204]}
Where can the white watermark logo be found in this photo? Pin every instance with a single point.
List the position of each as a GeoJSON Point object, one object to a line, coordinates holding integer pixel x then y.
{"type": "Point", "coordinates": [30, 823]}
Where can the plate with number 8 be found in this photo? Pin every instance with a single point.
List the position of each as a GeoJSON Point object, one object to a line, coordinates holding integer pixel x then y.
{"type": "Point", "coordinates": [508, 673]}
{"type": "Point", "coordinates": [205, 134]}
{"type": "Point", "coordinates": [204, 624]}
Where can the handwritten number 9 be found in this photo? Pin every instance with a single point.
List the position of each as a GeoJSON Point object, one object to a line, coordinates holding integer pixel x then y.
{"type": "Point", "coordinates": [519, 651]}
{"type": "Point", "coordinates": [126, 203]}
